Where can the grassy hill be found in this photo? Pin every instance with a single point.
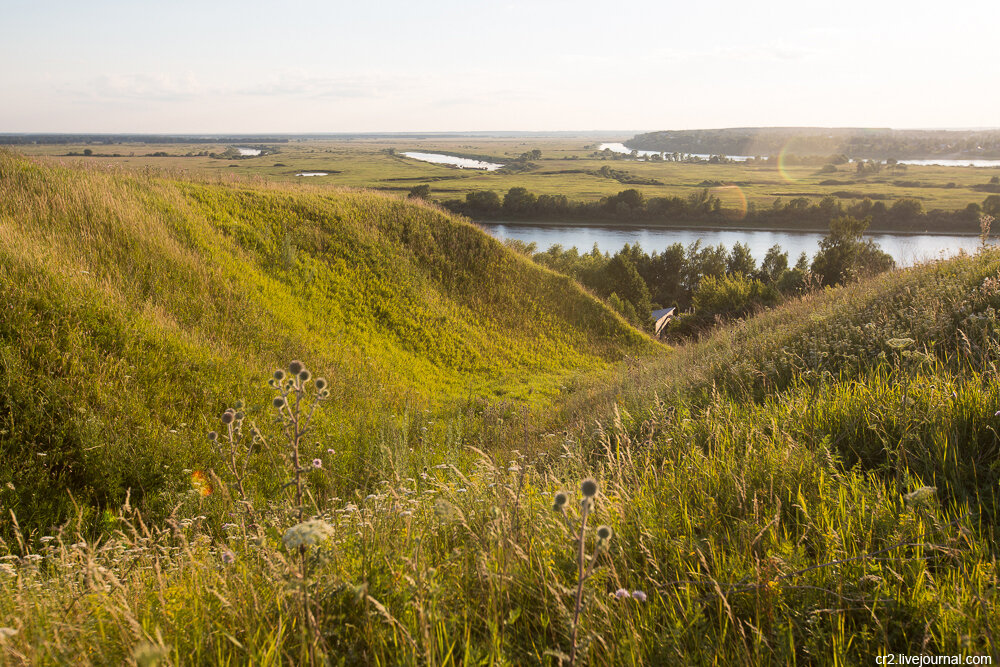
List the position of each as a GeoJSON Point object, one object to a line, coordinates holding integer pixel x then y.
{"type": "Point", "coordinates": [815, 485]}
{"type": "Point", "coordinates": [135, 306]}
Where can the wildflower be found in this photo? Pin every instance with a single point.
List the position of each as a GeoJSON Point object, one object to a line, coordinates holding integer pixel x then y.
{"type": "Point", "coordinates": [925, 495]}
{"type": "Point", "coordinates": [317, 463]}
{"type": "Point", "coordinates": [228, 557]}
{"type": "Point", "coordinates": [588, 488]}
{"type": "Point", "coordinates": [307, 533]}
{"type": "Point", "coordinates": [279, 375]}
{"type": "Point", "coordinates": [899, 343]}
{"type": "Point", "coordinates": [621, 593]}
{"type": "Point", "coordinates": [560, 501]}
{"type": "Point", "coordinates": [296, 367]}
{"type": "Point", "coordinates": [604, 533]}
{"type": "Point", "coordinates": [240, 416]}
{"type": "Point", "coordinates": [305, 375]}
{"type": "Point", "coordinates": [278, 402]}
{"type": "Point", "coordinates": [321, 383]}
{"type": "Point", "coordinates": [213, 436]}
{"type": "Point", "coordinates": [228, 416]}
{"type": "Point", "coordinates": [639, 596]}
{"type": "Point", "coordinates": [330, 451]}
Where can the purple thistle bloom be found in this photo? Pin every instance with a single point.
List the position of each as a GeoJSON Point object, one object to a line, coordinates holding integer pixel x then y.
{"type": "Point", "coordinates": [228, 557]}
{"type": "Point", "coordinates": [317, 463]}
{"type": "Point", "coordinates": [639, 595]}
{"type": "Point", "coordinates": [621, 593]}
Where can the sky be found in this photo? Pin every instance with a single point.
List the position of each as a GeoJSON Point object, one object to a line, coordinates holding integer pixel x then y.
{"type": "Point", "coordinates": [219, 66]}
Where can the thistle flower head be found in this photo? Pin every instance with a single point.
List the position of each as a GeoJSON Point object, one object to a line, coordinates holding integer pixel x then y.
{"type": "Point", "coordinates": [560, 501]}
{"type": "Point", "coordinates": [321, 383]}
{"type": "Point", "coordinates": [638, 596]}
{"type": "Point", "coordinates": [213, 436]}
{"type": "Point", "coordinates": [228, 557]}
{"type": "Point", "coordinates": [278, 402]}
{"type": "Point", "coordinates": [588, 488]}
{"type": "Point", "coordinates": [296, 367]}
{"type": "Point", "coordinates": [228, 416]}
{"type": "Point", "coordinates": [240, 416]}
{"type": "Point", "coordinates": [317, 463]}
{"type": "Point", "coordinates": [621, 593]}
{"type": "Point", "coordinates": [304, 375]}
{"type": "Point", "coordinates": [604, 533]}
{"type": "Point", "coordinates": [279, 375]}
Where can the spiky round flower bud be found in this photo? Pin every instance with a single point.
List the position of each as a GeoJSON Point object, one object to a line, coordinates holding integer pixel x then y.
{"type": "Point", "coordinates": [238, 405]}
{"type": "Point", "coordinates": [279, 375]}
{"type": "Point", "coordinates": [588, 488]}
{"type": "Point", "coordinates": [325, 393]}
{"type": "Point", "coordinates": [604, 533]}
{"type": "Point", "coordinates": [304, 375]}
{"type": "Point", "coordinates": [295, 367]}
{"type": "Point", "coordinates": [228, 416]}
{"type": "Point", "coordinates": [240, 416]}
{"type": "Point", "coordinates": [213, 436]}
{"type": "Point", "coordinates": [321, 383]}
{"type": "Point", "coordinates": [278, 402]}
{"type": "Point", "coordinates": [560, 500]}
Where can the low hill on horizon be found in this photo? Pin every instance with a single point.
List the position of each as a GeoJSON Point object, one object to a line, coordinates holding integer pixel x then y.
{"type": "Point", "coordinates": [855, 143]}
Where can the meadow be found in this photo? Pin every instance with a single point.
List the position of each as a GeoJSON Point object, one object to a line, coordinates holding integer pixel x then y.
{"type": "Point", "coordinates": [495, 468]}
{"type": "Point", "coordinates": [567, 166]}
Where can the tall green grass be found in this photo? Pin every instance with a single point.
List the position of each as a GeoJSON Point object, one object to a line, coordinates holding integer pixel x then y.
{"type": "Point", "coordinates": [814, 485]}
{"type": "Point", "coordinates": [135, 306]}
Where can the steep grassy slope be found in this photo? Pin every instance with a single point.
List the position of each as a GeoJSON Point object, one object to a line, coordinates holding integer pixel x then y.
{"type": "Point", "coordinates": [817, 485]}
{"type": "Point", "coordinates": [134, 306]}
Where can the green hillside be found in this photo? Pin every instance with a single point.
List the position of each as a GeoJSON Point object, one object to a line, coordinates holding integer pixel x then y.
{"type": "Point", "coordinates": [818, 484]}
{"type": "Point", "coordinates": [135, 306]}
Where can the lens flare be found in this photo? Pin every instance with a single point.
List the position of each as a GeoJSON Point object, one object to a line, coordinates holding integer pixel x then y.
{"type": "Point", "coordinates": [783, 164]}
{"type": "Point", "coordinates": [734, 201]}
{"type": "Point", "coordinates": [200, 483]}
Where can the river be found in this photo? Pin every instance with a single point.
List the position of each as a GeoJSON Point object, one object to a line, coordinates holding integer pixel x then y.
{"type": "Point", "coordinates": [906, 249]}
{"type": "Point", "coordinates": [453, 160]}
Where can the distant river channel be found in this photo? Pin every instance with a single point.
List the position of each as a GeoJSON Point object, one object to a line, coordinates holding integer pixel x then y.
{"type": "Point", "coordinates": [906, 249]}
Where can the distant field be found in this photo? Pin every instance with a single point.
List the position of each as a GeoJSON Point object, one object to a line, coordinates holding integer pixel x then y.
{"type": "Point", "coordinates": [566, 167]}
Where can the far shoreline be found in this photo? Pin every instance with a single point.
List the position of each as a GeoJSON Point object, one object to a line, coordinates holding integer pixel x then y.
{"type": "Point", "coordinates": [712, 228]}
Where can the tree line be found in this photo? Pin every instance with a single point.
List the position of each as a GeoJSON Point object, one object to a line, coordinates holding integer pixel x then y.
{"type": "Point", "coordinates": [711, 283]}
{"type": "Point", "coordinates": [703, 206]}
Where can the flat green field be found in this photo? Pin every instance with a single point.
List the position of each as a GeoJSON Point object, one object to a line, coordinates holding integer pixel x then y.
{"type": "Point", "coordinates": [567, 166]}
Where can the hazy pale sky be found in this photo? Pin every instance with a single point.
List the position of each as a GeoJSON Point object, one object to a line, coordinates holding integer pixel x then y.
{"type": "Point", "coordinates": [332, 66]}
